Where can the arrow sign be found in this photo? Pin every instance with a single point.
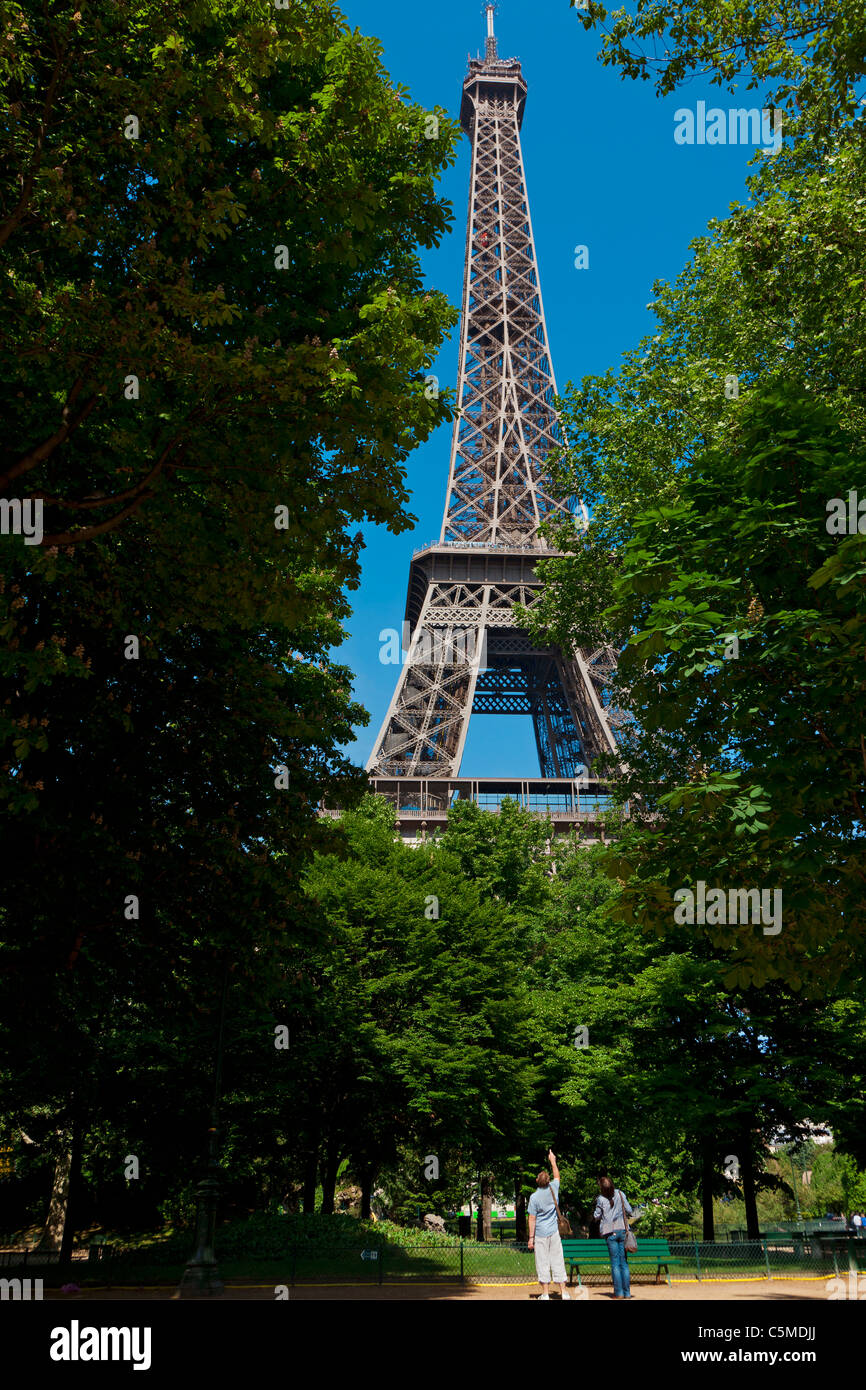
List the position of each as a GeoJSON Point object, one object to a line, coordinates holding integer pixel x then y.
{"type": "Point", "coordinates": [369, 1254]}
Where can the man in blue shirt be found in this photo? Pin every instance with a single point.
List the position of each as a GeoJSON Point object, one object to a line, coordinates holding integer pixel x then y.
{"type": "Point", "coordinates": [544, 1236]}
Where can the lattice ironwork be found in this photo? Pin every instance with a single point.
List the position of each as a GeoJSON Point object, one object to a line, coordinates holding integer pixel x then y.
{"type": "Point", "coordinates": [467, 655]}
{"type": "Point", "coordinates": [507, 423]}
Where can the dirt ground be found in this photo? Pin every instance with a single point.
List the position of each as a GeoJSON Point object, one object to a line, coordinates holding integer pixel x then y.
{"type": "Point", "coordinates": [745, 1291]}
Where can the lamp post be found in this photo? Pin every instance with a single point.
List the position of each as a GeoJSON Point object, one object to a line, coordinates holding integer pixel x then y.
{"type": "Point", "coordinates": [202, 1272]}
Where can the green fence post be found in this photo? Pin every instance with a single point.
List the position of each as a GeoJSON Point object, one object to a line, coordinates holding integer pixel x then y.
{"type": "Point", "coordinates": [767, 1259]}
{"type": "Point", "coordinates": [461, 1261]}
{"type": "Point", "coordinates": [698, 1260]}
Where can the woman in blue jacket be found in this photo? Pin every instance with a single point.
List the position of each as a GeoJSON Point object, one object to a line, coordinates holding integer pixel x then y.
{"type": "Point", "coordinates": [611, 1210]}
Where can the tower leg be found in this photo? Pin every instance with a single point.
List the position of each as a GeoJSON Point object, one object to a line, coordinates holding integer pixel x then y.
{"type": "Point", "coordinates": [424, 732]}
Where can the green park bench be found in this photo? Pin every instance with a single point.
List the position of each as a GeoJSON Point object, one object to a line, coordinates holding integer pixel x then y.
{"type": "Point", "coordinates": [587, 1254]}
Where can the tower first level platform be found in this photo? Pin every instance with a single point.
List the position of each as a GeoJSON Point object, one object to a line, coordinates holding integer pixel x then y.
{"type": "Point", "coordinates": [421, 804]}
{"type": "Point", "coordinates": [466, 655]}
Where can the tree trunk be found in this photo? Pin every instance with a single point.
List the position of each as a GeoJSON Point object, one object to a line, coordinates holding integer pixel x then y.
{"type": "Point", "coordinates": [367, 1178]}
{"type": "Point", "coordinates": [55, 1221]}
{"type": "Point", "coordinates": [311, 1170]}
{"type": "Point", "coordinates": [521, 1233]}
{"type": "Point", "coordinates": [707, 1180]}
{"type": "Point", "coordinates": [73, 1192]}
{"type": "Point", "coordinates": [485, 1224]}
{"type": "Point", "coordinates": [332, 1163]}
{"type": "Point", "coordinates": [747, 1172]}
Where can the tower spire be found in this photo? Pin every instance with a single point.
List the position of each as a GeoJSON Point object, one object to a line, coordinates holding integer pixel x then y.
{"type": "Point", "coordinates": [490, 54]}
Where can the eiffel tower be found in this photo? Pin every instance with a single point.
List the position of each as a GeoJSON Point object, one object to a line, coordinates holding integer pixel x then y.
{"type": "Point", "coordinates": [466, 655]}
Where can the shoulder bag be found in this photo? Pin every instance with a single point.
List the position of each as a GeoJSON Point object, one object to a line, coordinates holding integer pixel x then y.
{"type": "Point", "coordinates": [630, 1237]}
{"type": "Point", "coordinates": [562, 1222]}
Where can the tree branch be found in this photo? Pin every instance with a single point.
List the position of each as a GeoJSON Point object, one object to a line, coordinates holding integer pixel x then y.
{"type": "Point", "coordinates": [46, 448]}
{"type": "Point", "coordinates": [140, 495]}
{"type": "Point", "coordinates": [89, 532]}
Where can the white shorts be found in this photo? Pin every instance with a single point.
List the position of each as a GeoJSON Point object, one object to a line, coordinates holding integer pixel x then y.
{"type": "Point", "coordinates": [549, 1264]}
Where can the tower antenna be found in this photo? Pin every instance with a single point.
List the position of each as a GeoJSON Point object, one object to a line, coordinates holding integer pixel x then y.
{"type": "Point", "coordinates": [490, 54]}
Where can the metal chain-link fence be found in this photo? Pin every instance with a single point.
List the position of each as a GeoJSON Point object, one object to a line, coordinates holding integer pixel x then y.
{"type": "Point", "coordinates": [781, 1257]}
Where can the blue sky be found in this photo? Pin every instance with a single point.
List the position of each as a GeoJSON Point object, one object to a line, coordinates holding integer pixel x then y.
{"type": "Point", "coordinates": [603, 171]}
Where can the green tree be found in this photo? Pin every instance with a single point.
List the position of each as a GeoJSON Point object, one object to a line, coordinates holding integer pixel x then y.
{"type": "Point", "coordinates": [675, 1073]}
{"type": "Point", "coordinates": [807, 53]}
{"type": "Point", "coordinates": [420, 1006]}
{"type": "Point", "coordinates": [763, 329]}
{"type": "Point", "coordinates": [772, 296]}
{"type": "Point", "coordinates": [202, 428]}
{"type": "Point", "coordinates": [222, 201]}
{"type": "Point", "coordinates": [745, 685]}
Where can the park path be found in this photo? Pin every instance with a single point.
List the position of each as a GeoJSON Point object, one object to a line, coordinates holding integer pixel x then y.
{"type": "Point", "coordinates": [740, 1291]}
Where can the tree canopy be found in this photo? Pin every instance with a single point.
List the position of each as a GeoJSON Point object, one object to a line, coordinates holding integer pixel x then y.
{"type": "Point", "coordinates": [806, 53]}
{"type": "Point", "coordinates": [717, 462]}
{"type": "Point", "coordinates": [216, 335]}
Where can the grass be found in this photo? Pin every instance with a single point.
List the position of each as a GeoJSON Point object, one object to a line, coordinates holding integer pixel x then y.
{"type": "Point", "coordinates": [317, 1264]}
{"type": "Point", "coordinates": [276, 1249]}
